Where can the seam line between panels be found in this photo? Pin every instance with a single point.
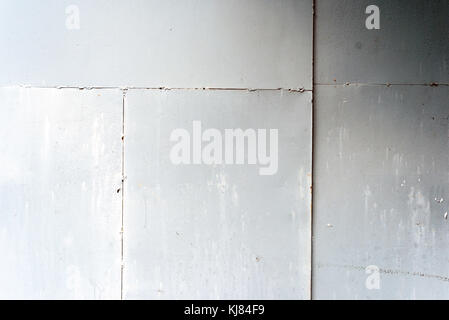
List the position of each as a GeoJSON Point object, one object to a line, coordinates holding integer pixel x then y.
{"type": "Point", "coordinates": [365, 84]}
{"type": "Point", "coordinates": [161, 88]}
{"type": "Point", "coordinates": [313, 152]}
{"type": "Point", "coordinates": [123, 195]}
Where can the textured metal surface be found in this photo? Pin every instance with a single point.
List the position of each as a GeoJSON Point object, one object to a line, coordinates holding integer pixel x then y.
{"type": "Point", "coordinates": [151, 43]}
{"type": "Point", "coordinates": [411, 46]}
{"type": "Point", "coordinates": [60, 213]}
{"type": "Point", "coordinates": [222, 231]}
{"type": "Point", "coordinates": [382, 188]}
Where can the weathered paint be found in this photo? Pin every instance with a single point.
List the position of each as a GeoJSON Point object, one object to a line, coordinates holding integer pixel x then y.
{"type": "Point", "coordinates": [381, 156]}
{"type": "Point", "coordinates": [152, 43]}
{"type": "Point", "coordinates": [60, 212]}
{"type": "Point", "coordinates": [381, 179]}
{"type": "Point", "coordinates": [411, 46]}
{"type": "Point", "coordinates": [222, 231]}
{"type": "Point", "coordinates": [381, 153]}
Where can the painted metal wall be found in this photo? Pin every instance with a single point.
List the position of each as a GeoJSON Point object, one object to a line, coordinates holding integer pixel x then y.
{"type": "Point", "coordinates": [382, 188]}
{"type": "Point", "coordinates": [221, 231]}
{"type": "Point", "coordinates": [71, 229]}
{"type": "Point", "coordinates": [91, 205]}
{"type": "Point", "coordinates": [381, 173]}
{"type": "Point", "coordinates": [151, 43]}
{"type": "Point", "coordinates": [60, 213]}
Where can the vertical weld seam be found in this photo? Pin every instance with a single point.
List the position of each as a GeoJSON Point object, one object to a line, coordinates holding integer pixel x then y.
{"type": "Point", "coordinates": [123, 195]}
{"type": "Point", "coordinates": [313, 148]}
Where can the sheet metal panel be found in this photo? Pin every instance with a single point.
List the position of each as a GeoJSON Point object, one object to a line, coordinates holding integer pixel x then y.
{"type": "Point", "coordinates": [152, 43]}
{"type": "Point", "coordinates": [411, 45]}
{"type": "Point", "coordinates": [60, 157]}
{"type": "Point", "coordinates": [216, 231]}
{"type": "Point", "coordinates": [382, 190]}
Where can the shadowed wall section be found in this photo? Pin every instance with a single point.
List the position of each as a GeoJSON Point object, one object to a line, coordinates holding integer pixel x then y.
{"type": "Point", "coordinates": [381, 160]}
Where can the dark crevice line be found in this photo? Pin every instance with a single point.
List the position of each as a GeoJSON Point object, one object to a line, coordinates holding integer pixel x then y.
{"type": "Point", "coordinates": [355, 84]}
{"type": "Point", "coordinates": [313, 149]}
{"type": "Point", "coordinates": [123, 195]}
{"type": "Point", "coordinates": [162, 88]}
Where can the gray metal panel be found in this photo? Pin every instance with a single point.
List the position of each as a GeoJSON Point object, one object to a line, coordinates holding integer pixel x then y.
{"type": "Point", "coordinates": [152, 43]}
{"type": "Point", "coordinates": [60, 213]}
{"type": "Point", "coordinates": [411, 46]}
{"type": "Point", "coordinates": [223, 231]}
{"type": "Point", "coordinates": [382, 189]}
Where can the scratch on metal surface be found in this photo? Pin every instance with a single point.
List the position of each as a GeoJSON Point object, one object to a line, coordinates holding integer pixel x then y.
{"type": "Point", "coordinates": [388, 271]}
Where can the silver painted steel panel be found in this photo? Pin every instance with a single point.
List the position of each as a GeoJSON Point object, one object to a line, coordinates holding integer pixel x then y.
{"type": "Point", "coordinates": [411, 46]}
{"type": "Point", "coordinates": [60, 158]}
{"type": "Point", "coordinates": [152, 43]}
{"type": "Point", "coordinates": [223, 231]}
{"type": "Point", "coordinates": [382, 190]}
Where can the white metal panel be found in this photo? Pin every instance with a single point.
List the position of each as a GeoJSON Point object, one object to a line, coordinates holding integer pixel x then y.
{"type": "Point", "coordinates": [60, 159]}
{"type": "Point", "coordinates": [216, 231]}
{"type": "Point", "coordinates": [152, 43]}
{"type": "Point", "coordinates": [381, 180]}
